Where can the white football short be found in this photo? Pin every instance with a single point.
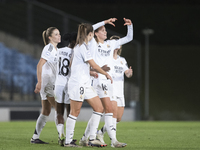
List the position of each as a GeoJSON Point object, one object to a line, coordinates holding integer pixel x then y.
{"type": "Point", "coordinates": [61, 95]}
{"type": "Point", "coordinates": [102, 87]}
{"type": "Point", "coordinates": [79, 93]}
{"type": "Point", "coordinates": [47, 87]}
{"type": "Point", "coordinates": [120, 101]}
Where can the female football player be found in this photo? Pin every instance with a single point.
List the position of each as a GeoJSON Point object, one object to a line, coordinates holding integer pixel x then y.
{"type": "Point", "coordinates": [79, 86]}
{"type": "Point", "coordinates": [46, 75]}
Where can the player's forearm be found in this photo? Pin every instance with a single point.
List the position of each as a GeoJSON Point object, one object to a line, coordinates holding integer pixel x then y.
{"type": "Point", "coordinates": [128, 37]}
{"type": "Point", "coordinates": [97, 25]}
{"type": "Point", "coordinates": [39, 72]}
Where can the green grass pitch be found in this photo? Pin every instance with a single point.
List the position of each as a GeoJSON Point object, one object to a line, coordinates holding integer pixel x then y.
{"type": "Point", "coordinates": [141, 135]}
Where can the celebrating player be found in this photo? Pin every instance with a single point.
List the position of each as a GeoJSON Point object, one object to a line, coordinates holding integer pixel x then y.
{"type": "Point", "coordinates": [46, 75]}
{"type": "Point", "coordinates": [103, 55]}
{"type": "Point", "coordinates": [119, 68]}
{"type": "Point", "coordinates": [79, 87]}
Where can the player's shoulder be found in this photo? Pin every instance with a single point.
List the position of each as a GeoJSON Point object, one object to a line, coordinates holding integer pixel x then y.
{"type": "Point", "coordinates": [48, 47]}
{"type": "Point", "coordinates": [122, 58]}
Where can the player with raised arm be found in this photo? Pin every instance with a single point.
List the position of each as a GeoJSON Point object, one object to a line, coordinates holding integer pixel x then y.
{"type": "Point", "coordinates": [103, 55]}
{"type": "Point", "coordinates": [46, 75]}
{"type": "Point", "coordinates": [119, 68]}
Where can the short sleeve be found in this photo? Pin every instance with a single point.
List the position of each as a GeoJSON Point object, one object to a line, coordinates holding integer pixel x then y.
{"type": "Point", "coordinates": [125, 64]}
{"type": "Point", "coordinates": [46, 52]}
{"type": "Point", "coordinates": [86, 54]}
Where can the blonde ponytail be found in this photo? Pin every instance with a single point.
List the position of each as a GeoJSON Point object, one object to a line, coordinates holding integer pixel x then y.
{"type": "Point", "coordinates": [46, 34]}
{"type": "Point", "coordinates": [45, 40]}
{"type": "Point", "coordinates": [83, 30]}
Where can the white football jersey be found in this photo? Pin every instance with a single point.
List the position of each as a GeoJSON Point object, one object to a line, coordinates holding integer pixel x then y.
{"type": "Point", "coordinates": [80, 68]}
{"type": "Point", "coordinates": [63, 62]}
{"type": "Point", "coordinates": [119, 67]}
{"type": "Point", "coordinates": [49, 53]}
{"type": "Point", "coordinates": [103, 53]}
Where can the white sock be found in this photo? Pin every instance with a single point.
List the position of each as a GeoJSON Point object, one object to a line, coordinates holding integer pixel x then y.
{"type": "Point", "coordinates": [87, 131]}
{"type": "Point", "coordinates": [60, 128]}
{"type": "Point", "coordinates": [70, 125]}
{"type": "Point", "coordinates": [55, 119]}
{"type": "Point", "coordinates": [109, 127]}
{"type": "Point", "coordinates": [94, 123]}
{"type": "Point", "coordinates": [103, 130]}
{"type": "Point", "coordinates": [114, 120]}
{"type": "Point", "coordinates": [41, 121]}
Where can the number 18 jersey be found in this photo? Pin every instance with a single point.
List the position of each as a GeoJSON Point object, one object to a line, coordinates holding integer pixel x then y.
{"type": "Point", "coordinates": [63, 70]}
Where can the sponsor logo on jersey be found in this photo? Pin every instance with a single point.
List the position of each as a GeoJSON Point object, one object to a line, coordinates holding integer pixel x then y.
{"type": "Point", "coordinates": [104, 52]}
{"type": "Point", "coordinates": [118, 69]}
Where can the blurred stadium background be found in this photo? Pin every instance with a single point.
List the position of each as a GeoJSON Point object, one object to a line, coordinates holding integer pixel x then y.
{"type": "Point", "coordinates": [173, 60]}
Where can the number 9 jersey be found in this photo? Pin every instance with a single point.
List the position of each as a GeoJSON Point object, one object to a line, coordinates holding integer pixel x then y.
{"type": "Point", "coordinates": [62, 73]}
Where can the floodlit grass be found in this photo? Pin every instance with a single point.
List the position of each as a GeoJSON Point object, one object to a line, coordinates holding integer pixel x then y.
{"type": "Point", "coordinates": [138, 135]}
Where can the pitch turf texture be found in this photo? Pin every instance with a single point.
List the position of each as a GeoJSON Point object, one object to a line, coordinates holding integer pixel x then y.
{"type": "Point", "coordinates": [138, 135]}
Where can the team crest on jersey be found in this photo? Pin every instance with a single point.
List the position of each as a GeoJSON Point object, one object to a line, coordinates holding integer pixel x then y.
{"type": "Point", "coordinates": [121, 62]}
{"type": "Point", "coordinates": [108, 46]}
{"type": "Point", "coordinates": [81, 97]}
{"type": "Point", "coordinates": [105, 92]}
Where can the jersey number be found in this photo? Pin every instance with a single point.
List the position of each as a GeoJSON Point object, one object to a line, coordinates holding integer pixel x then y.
{"type": "Point", "coordinates": [104, 87]}
{"type": "Point", "coordinates": [63, 66]}
{"type": "Point", "coordinates": [81, 90]}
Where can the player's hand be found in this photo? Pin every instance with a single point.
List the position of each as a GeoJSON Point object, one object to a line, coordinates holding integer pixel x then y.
{"type": "Point", "coordinates": [109, 77]}
{"type": "Point", "coordinates": [105, 68]}
{"type": "Point", "coordinates": [127, 21]}
{"type": "Point", "coordinates": [94, 74]}
{"type": "Point", "coordinates": [37, 88]}
{"type": "Point", "coordinates": [110, 21]}
{"type": "Point", "coordinates": [129, 72]}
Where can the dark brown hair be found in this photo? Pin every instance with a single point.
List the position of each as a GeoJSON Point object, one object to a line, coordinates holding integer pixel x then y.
{"type": "Point", "coordinates": [71, 38]}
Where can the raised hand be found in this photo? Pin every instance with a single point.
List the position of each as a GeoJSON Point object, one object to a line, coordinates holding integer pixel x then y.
{"type": "Point", "coordinates": [110, 21]}
{"type": "Point", "coordinates": [129, 72]}
{"type": "Point", "coordinates": [127, 21]}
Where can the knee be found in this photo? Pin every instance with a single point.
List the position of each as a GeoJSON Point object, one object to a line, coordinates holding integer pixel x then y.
{"type": "Point", "coordinates": [46, 112]}
{"type": "Point", "coordinates": [99, 109]}
{"type": "Point", "coordinates": [75, 112]}
{"type": "Point", "coordinates": [118, 119]}
{"type": "Point", "coordinates": [108, 109]}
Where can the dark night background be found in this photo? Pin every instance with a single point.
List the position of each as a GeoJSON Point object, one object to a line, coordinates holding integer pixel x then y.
{"type": "Point", "coordinates": [174, 48]}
